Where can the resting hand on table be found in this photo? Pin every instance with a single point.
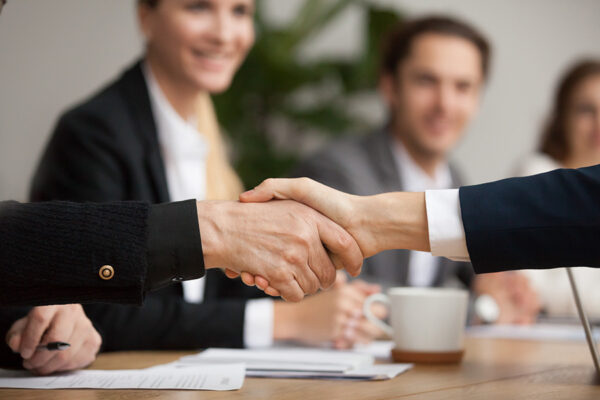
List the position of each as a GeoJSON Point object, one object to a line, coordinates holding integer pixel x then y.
{"type": "Point", "coordinates": [62, 323]}
{"type": "Point", "coordinates": [517, 301]}
{"type": "Point", "coordinates": [291, 245]}
{"type": "Point", "coordinates": [334, 316]}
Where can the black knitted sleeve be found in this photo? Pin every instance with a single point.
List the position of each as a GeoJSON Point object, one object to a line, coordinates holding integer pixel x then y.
{"type": "Point", "coordinates": [51, 253]}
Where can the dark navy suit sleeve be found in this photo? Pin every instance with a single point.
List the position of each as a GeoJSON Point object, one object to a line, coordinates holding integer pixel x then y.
{"type": "Point", "coordinates": [541, 221]}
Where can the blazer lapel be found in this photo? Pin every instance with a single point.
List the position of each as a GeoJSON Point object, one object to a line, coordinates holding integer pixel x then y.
{"type": "Point", "coordinates": [378, 146]}
{"type": "Point", "coordinates": [135, 92]}
{"type": "Point", "coordinates": [379, 151]}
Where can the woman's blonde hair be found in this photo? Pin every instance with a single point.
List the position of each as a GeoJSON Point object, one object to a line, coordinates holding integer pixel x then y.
{"type": "Point", "coordinates": [222, 183]}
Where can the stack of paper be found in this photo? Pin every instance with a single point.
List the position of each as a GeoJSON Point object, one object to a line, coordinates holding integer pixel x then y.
{"type": "Point", "coordinates": [299, 363]}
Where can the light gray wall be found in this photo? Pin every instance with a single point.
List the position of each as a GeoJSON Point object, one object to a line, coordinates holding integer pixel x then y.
{"type": "Point", "coordinates": [54, 53]}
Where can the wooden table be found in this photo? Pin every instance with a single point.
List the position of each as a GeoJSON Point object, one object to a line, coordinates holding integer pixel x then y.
{"type": "Point", "coordinates": [491, 369]}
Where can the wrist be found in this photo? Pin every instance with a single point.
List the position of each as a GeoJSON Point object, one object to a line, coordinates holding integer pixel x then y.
{"type": "Point", "coordinates": [284, 320]}
{"type": "Point", "coordinates": [211, 234]}
{"type": "Point", "coordinates": [399, 221]}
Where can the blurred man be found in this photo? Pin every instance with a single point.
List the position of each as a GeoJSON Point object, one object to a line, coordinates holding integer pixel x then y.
{"type": "Point", "coordinates": [432, 74]}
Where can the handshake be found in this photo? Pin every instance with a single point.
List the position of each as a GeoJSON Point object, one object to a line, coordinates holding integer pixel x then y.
{"type": "Point", "coordinates": [289, 236]}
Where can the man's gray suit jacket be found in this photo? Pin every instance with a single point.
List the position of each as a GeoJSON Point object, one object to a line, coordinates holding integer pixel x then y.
{"type": "Point", "coordinates": [365, 166]}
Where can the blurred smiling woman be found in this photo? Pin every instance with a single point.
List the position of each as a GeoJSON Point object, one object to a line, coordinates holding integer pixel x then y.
{"type": "Point", "coordinates": [194, 48]}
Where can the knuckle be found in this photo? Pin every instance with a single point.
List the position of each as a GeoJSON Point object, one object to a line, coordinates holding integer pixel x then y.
{"type": "Point", "coordinates": [51, 336]}
{"type": "Point", "coordinates": [328, 277]}
{"type": "Point", "coordinates": [268, 182]}
{"type": "Point", "coordinates": [76, 308]}
{"type": "Point", "coordinates": [304, 234]}
{"type": "Point", "coordinates": [294, 256]}
{"type": "Point", "coordinates": [345, 241]}
{"type": "Point", "coordinates": [279, 276]}
{"type": "Point", "coordinates": [39, 316]}
{"type": "Point", "coordinates": [304, 183]}
{"type": "Point", "coordinates": [313, 286]}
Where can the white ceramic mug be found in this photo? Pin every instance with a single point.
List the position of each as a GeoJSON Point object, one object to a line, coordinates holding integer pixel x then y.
{"type": "Point", "coordinates": [427, 324]}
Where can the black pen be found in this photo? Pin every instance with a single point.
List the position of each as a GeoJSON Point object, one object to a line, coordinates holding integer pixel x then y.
{"type": "Point", "coordinates": [53, 346]}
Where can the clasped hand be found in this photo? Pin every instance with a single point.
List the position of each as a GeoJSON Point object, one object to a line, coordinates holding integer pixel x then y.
{"type": "Point", "coordinates": [60, 323]}
{"type": "Point", "coordinates": [297, 247]}
{"type": "Point", "coordinates": [292, 246]}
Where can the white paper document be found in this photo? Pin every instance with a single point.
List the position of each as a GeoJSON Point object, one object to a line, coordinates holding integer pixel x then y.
{"type": "Point", "coordinates": [199, 377]}
{"type": "Point", "coordinates": [378, 372]}
{"type": "Point", "coordinates": [300, 363]}
{"type": "Point", "coordinates": [546, 331]}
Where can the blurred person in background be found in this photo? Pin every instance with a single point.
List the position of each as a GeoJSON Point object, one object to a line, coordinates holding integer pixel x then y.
{"type": "Point", "coordinates": [570, 139]}
{"type": "Point", "coordinates": [433, 70]}
{"type": "Point", "coordinates": [153, 136]}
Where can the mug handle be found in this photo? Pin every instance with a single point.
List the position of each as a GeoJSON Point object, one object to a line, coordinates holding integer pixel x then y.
{"type": "Point", "coordinates": [377, 298]}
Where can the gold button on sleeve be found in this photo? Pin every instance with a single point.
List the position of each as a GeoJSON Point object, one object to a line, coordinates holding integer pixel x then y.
{"type": "Point", "coordinates": [106, 272]}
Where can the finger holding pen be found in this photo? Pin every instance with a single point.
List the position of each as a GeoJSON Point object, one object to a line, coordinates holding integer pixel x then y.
{"type": "Point", "coordinates": [26, 333]}
{"type": "Point", "coordinates": [58, 324]}
{"type": "Point", "coordinates": [85, 344]}
{"type": "Point", "coordinates": [43, 325]}
{"type": "Point", "coordinates": [14, 335]}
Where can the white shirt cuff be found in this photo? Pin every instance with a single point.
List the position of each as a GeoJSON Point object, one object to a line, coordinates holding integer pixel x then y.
{"type": "Point", "coordinates": [444, 219]}
{"type": "Point", "coordinates": [258, 323]}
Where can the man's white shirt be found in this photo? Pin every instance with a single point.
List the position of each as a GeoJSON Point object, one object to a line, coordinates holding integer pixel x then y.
{"type": "Point", "coordinates": [422, 266]}
{"type": "Point", "coordinates": [444, 220]}
{"type": "Point", "coordinates": [184, 152]}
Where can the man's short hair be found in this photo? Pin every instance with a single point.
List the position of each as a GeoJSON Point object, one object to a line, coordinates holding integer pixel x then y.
{"type": "Point", "coordinates": [398, 42]}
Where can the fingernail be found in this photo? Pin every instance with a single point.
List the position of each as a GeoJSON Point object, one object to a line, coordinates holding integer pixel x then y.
{"type": "Point", "coordinates": [27, 353]}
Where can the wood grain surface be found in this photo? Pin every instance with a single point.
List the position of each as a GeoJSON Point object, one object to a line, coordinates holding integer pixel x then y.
{"type": "Point", "coordinates": [491, 369]}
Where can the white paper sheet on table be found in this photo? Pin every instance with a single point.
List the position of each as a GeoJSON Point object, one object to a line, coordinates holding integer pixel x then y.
{"type": "Point", "coordinates": [281, 359]}
{"type": "Point", "coordinates": [378, 372]}
{"type": "Point", "coordinates": [200, 377]}
{"type": "Point", "coordinates": [300, 363]}
{"type": "Point", "coordinates": [544, 331]}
